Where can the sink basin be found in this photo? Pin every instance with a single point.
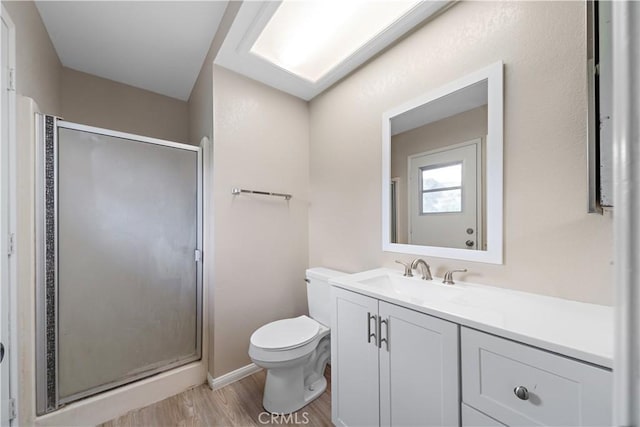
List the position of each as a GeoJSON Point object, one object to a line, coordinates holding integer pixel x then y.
{"type": "Point", "coordinates": [412, 288]}
{"type": "Point", "coordinates": [459, 300]}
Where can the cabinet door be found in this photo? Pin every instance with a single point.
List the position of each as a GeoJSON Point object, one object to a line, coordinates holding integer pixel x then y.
{"type": "Point", "coordinates": [354, 367]}
{"type": "Point", "coordinates": [419, 375]}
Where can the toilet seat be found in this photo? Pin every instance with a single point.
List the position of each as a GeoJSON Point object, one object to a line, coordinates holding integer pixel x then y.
{"type": "Point", "coordinates": [285, 334]}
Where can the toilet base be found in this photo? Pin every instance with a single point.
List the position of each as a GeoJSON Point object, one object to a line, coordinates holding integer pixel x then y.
{"type": "Point", "coordinates": [290, 388]}
{"type": "Point", "coordinates": [314, 391]}
{"type": "Point", "coordinates": [281, 396]}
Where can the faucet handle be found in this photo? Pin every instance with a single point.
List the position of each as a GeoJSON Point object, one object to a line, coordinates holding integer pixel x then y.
{"type": "Point", "coordinates": [407, 268]}
{"type": "Point", "coordinates": [448, 276]}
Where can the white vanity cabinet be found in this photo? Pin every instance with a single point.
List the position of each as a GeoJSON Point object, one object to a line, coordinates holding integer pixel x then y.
{"type": "Point", "coordinates": [392, 365]}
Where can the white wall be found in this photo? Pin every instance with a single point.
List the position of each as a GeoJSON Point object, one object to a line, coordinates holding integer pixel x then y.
{"type": "Point", "coordinates": [552, 246]}
{"type": "Point", "coordinates": [260, 142]}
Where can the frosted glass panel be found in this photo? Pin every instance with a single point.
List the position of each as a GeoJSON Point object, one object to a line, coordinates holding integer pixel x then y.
{"type": "Point", "coordinates": [127, 277]}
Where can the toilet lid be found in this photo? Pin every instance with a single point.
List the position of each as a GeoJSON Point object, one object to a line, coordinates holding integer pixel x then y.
{"type": "Point", "coordinates": [285, 334]}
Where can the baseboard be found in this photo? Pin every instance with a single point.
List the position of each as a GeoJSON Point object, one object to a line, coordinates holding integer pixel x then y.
{"type": "Point", "coordinates": [233, 376]}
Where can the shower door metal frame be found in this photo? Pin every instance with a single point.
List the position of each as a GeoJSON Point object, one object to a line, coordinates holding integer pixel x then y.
{"type": "Point", "coordinates": [47, 397]}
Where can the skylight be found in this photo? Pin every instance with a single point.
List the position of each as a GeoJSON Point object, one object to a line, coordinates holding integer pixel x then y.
{"type": "Point", "coordinates": [310, 38]}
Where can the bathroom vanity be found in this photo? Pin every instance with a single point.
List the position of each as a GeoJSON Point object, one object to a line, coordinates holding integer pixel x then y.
{"type": "Point", "coordinates": [406, 351]}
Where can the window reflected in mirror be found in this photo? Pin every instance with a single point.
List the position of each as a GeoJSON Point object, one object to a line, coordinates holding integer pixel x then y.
{"type": "Point", "coordinates": [441, 188]}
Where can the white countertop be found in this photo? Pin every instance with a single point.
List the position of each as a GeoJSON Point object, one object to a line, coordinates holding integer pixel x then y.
{"type": "Point", "coordinates": [574, 329]}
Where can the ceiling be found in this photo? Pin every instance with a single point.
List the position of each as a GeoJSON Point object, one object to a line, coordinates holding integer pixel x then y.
{"type": "Point", "coordinates": [159, 46]}
{"type": "Point", "coordinates": [253, 16]}
{"type": "Point", "coordinates": [457, 102]}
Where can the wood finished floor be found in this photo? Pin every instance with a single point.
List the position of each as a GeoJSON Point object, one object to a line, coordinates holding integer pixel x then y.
{"type": "Point", "coordinates": [238, 404]}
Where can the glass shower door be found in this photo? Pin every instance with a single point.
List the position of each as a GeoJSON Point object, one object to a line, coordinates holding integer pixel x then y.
{"type": "Point", "coordinates": [122, 231]}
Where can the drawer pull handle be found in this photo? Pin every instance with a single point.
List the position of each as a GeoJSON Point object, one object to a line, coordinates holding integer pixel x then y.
{"type": "Point", "coordinates": [521, 392]}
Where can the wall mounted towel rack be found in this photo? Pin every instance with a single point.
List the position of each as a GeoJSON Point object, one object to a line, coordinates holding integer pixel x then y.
{"type": "Point", "coordinates": [237, 191]}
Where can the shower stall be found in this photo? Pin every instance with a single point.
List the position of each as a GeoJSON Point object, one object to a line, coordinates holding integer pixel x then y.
{"type": "Point", "coordinates": [119, 263]}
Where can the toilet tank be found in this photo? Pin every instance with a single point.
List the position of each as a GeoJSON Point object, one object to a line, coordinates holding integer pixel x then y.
{"type": "Point", "coordinates": [318, 293]}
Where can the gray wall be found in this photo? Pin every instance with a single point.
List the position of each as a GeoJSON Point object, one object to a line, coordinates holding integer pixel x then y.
{"type": "Point", "coordinates": [201, 99]}
{"type": "Point", "coordinates": [82, 97]}
{"type": "Point", "coordinates": [261, 141]}
{"type": "Point", "coordinates": [95, 101]}
{"type": "Point", "coordinates": [38, 69]}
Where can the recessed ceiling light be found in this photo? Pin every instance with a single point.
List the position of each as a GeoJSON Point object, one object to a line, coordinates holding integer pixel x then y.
{"type": "Point", "coordinates": [309, 38]}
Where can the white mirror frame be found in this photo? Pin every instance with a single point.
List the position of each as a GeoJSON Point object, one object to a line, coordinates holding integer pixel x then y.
{"type": "Point", "coordinates": [494, 169]}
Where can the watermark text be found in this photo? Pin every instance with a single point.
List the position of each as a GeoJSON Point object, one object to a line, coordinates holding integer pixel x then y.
{"type": "Point", "coordinates": [295, 418]}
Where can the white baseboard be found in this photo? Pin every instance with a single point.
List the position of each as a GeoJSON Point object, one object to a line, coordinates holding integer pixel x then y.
{"type": "Point", "coordinates": [233, 376]}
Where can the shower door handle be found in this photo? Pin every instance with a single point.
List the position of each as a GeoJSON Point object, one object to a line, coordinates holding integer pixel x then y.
{"type": "Point", "coordinates": [1, 352]}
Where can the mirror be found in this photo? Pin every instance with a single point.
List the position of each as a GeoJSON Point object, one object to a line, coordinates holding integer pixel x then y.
{"type": "Point", "coordinates": [442, 171]}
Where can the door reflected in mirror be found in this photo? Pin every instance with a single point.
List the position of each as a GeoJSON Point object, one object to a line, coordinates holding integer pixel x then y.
{"type": "Point", "coordinates": [437, 170]}
{"type": "Point", "coordinates": [442, 171]}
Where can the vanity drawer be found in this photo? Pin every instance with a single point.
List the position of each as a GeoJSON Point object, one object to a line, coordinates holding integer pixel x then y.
{"type": "Point", "coordinates": [559, 391]}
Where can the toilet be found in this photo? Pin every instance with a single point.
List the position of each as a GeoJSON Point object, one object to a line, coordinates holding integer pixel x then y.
{"type": "Point", "coordinates": [295, 351]}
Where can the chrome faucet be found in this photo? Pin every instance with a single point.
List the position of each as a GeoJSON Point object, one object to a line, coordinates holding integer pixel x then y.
{"type": "Point", "coordinates": [448, 276]}
{"type": "Point", "coordinates": [407, 269]}
{"type": "Point", "coordinates": [424, 268]}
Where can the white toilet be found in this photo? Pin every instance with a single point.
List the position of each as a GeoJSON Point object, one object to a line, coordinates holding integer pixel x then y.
{"type": "Point", "coordinates": [295, 351]}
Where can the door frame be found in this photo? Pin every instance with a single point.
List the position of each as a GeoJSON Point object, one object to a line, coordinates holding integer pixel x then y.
{"type": "Point", "coordinates": [395, 201]}
{"type": "Point", "coordinates": [626, 160]}
{"type": "Point", "coordinates": [479, 185]}
{"type": "Point", "coordinates": [9, 242]}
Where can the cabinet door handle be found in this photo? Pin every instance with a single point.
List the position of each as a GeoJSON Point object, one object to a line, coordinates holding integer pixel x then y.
{"type": "Point", "coordinates": [384, 340]}
{"type": "Point", "coordinates": [369, 334]}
